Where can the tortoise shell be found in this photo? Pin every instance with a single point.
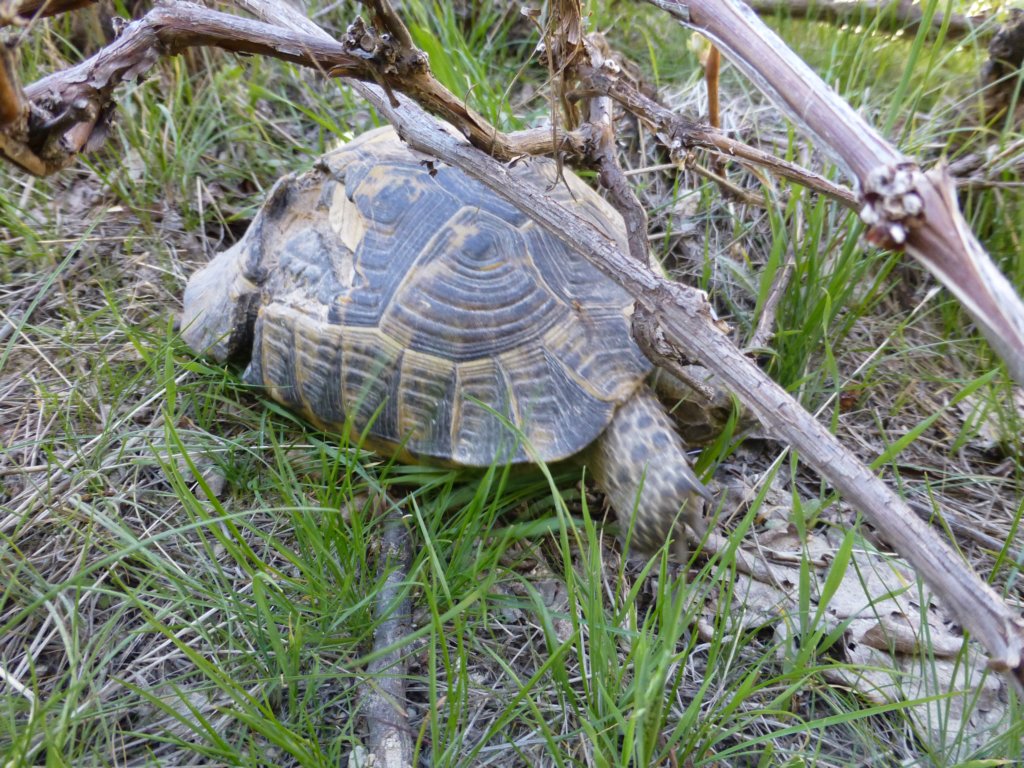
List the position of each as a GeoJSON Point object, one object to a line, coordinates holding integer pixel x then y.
{"type": "Point", "coordinates": [391, 297]}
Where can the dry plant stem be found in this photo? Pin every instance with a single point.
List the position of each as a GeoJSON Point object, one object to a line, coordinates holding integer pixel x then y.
{"type": "Point", "coordinates": [612, 179]}
{"type": "Point", "coordinates": [79, 94]}
{"type": "Point", "coordinates": [968, 530]}
{"type": "Point", "coordinates": [951, 252]}
{"type": "Point", "coordinates": [22, 11]}
{"type": "Point", "coordinates": [604, 151]}
{"type": "Point", "coordinates": [763, 57]}
{"type": "Point", "coordinates": [683, 324]}
{"type": "Point", "coordinates": [67, 103]}
{"type": "Point", "coordinates": [978, 170]}
{"type": "Point", "coordinates": [173, 28]}
{"type": "Point", "coordinates": [733, 190]}
{"type": "Point", "coordinates": [680, 134]}
{"type": "Point", "coordinates": [12, 101]}
{"type": "Point", "coordinates": [70, 101]}
{"type": "Point", "coordinates": [893, 15]}
{"type": "Point", "coordinates": [384, 699]}
{"type": "Point", "coordinates": [711, 70]}
{"type": "Point", "coordinates": [506, 146]}
{"type": "Point", "coordinates": [938, 237]}
{"type": "Point", "coordinates": [765, 330]}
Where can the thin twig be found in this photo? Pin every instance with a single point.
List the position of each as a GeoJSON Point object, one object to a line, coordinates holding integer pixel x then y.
{"type": "Point", "coordinates": [731, 189]}
{"type": "Point", "coordinates": [765, 330]}
{"type": "Point", "coordinates": [384, 699]}
{"type": "Point", "coordinates": [680, 134]}
{"type": "Point", "coordinates": [606, 155]}
{"type": "Point", "coordinates": [961, 527]}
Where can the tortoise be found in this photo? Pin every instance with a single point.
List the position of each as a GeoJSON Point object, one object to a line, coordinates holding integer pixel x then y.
{"type": "Point", "coordinates": [389, 297]}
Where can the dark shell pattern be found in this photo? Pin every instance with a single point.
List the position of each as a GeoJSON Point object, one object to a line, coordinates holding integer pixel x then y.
{"type": "Point", "coordinates": [389, 296]}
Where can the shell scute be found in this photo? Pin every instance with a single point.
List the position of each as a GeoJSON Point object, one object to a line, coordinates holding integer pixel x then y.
{"type": "Point", "coordinates": [397, 225]}
{"type": "Point", "coordinates": [481, 412]}
{"type": "Point", "coordinates": [426, 399]}
{"type": "Point", "coordinates": [370, 379]}
{"type": "Point", "coordinates": [471, 294]}
{"type": "Point", "coordinates": [551, 407]}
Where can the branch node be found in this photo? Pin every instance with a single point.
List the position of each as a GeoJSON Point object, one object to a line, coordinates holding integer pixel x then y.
{"type": "Point", "coordinates": [892, 203]}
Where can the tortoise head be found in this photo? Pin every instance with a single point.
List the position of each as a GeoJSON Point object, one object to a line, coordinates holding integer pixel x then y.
{"type": "Point", "coordinates": [222, 299]}
{"type": "Point", "coordinates": [221, 302]}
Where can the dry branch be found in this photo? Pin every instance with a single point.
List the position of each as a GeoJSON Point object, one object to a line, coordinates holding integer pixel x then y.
{"type": "Point", "coordinates": [384, 699]}
{"type": "Point", "coordinates": [78, 96]}
{"type": "Point", "coordinates": [681, 134]}
{"type": "Point", "coordinates": [68, 109]}
{"type": "Point", "coordinates": [605, 152]}
{"type": "Point", "coordinates": [65, 106]}
{"type": "Point", "coordinates": [891, 15]}
{"type": "Point", "coordinates": [903, 207]}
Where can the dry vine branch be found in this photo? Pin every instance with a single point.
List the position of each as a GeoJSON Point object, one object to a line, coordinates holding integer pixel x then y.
{"type": "Point", "coordinates": [604, 151]}
{"type": "Point", "coordinates": [43, 138]}
{"type": "Point", "coordinates": [64, 107]}
{"type": "Point", "coordinates": [891, 15]}
{"type": "Point", "coordinates": [903, 207]}
{"type": "Point", "coordinates": [681, 134]}
{"type": "Point", "coordinates": [384, 701]}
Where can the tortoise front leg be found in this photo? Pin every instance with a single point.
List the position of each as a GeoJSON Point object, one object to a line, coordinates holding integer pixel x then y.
{"type": "Point", "coordinates": [640, 464]}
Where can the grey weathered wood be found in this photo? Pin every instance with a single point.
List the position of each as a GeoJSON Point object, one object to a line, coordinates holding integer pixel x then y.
{"type": "Point", "coordinates": [939, 237]}
{"type": "Point", "coordinates": [891, 15]}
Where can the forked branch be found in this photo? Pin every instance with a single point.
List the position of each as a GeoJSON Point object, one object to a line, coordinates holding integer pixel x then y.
{"type": "Point", "coordinates": [904, 208]}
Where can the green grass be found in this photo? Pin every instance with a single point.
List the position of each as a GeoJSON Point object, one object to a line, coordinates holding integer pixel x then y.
{"type": "Point", "coordinates": [189, 575]}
